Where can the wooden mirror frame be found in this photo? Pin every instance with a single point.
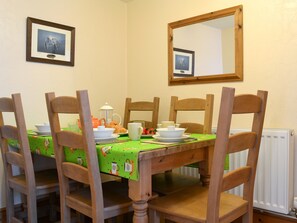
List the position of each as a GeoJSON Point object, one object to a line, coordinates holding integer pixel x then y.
{"type": "Point", "coordinates": [214, 78]}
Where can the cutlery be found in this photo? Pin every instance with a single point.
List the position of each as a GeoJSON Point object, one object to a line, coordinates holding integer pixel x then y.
{"type": "Point", "coordinates": [159, 143]}
{"type": "Point", "coordinates": [190, 139]}
{"type": "Point", "coordinates": [112, 141]}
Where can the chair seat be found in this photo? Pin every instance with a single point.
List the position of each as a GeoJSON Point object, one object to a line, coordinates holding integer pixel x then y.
{"type": "Point", "coordinates": [115, 196]}
{"type": "Point", "coordinates": [197, 204]}
{"type": "Point", "coordinates": [192, 204]}
{"type": "Point", "coordinates": [46, 182]}
{"type": "Point", "coordinates": [169, 182]}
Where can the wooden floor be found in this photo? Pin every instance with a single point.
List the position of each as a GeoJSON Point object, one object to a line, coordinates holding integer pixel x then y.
{"type": "Point", "coordinates": [44, 218]}
{"type": "Point", "coordinates": [259, 217]}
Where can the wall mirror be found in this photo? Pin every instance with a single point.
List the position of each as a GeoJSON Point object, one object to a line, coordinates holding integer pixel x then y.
{"type": "Point", "coordinates": [207, 48]}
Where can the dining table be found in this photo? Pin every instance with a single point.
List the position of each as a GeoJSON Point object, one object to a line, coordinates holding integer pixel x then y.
{"type": "Point", "coordinates": [138, 160]}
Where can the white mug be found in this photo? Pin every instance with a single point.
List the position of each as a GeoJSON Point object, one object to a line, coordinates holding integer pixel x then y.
{"type": "Point", "coordinates": [134, 130]}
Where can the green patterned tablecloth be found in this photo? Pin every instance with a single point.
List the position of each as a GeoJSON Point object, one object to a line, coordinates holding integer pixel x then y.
{"type": "Point", "coordinates": [119, 159]}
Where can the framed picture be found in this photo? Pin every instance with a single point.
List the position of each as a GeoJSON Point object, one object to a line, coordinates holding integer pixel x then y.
{"type": "Point", "coordinates": [183, 62]}
{"type": "Point", "coordinates": [49, 42]}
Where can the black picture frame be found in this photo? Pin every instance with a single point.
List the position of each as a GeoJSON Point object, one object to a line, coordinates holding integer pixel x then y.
{"type": "Point", "coordinates": [49, 42]}
{"type": "Point", "coordinates": [183, 62]}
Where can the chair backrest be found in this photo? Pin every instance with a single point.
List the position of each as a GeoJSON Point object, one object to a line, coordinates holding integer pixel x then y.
{"type": "Point", "coordinates": [226, 144]}
{"type": "Point", "coordinates": [193, 104]}
{"type": "Point", "coordinates": [22, 157]}
{"type": "Point", "coordinates": [89, 172]}
{"type": "Point", "coordinates": [152, 106]}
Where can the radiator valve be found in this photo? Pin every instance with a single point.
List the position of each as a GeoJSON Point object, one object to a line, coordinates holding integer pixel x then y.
{"type": "Point", "coordinates": [293, 212]}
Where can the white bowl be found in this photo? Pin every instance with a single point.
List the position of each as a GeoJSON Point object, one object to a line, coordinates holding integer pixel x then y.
{"type": "Point", "coordinates": [45, 127]}
{"type": "Point", "coordinates": [103, 132]}
{"type": "Point", "coordinates": [171, 132]}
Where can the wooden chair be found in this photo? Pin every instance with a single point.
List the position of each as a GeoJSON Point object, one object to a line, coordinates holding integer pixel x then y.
{"type": "Point", "coordinates": [142, 106]}
{"type": "Point", "coordinates": [95, 200]}
{"type": "Point", "coordinates": [170, 182]}
{"type": "Point", "coordinates": [213, 204]}
{"type": "Point", "coordinates": [193, 104]}
{"type": "Point", "coordinates": [29, 183]}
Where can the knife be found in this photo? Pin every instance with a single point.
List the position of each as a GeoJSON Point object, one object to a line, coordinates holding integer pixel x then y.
{"type": "Point", "coordinates": [111, 141]}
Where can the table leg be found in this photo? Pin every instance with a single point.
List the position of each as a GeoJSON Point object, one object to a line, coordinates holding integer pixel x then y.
{"type": "Point", "coordinates": [140, 191]}
{"type": "Point", "coordinates": [205, 166]}
{"type": "Point", "coordinates": [140, 211]}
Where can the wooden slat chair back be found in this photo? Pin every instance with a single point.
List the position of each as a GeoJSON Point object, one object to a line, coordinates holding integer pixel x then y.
{"type": "Point", "coordinates": [226, 144]}
{"type": "Point", "coordinates": [214, 204]}
{"type": "Point", "coordinates": [170, 182]}
{"type": "Point", "coordinates": [87, 200]}
{"type": "Point", "coordinates": [27, 182]}
{"type": "Point", "coordinates": [136, 106]}
{"type": "Point", "coordinates": [193, 104]}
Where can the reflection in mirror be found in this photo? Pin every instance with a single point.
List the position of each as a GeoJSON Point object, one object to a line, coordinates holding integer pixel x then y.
{"type": "Point", "coordinates": [206, 48]}
{"type": "Point", "coordinates": [213, 41]}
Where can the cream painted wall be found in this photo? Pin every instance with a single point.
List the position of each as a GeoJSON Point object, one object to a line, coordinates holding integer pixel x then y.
{"type": "Point", "coordinates": [270, 51]}
{"type": "Point", "coordinates": [100, 54]}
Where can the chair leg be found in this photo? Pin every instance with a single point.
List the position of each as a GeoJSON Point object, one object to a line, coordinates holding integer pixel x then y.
{"type": "Point", "coordinates": [52, 211]}
{"type": "Point", "coordinates": [9, 204]}
{"type": "Point", "coordinates": [23, 214]}
{"type": "Point", "coordinates": [247, 218]}
{"type": "Point", "coordinates": [65, 212]}
{"type": "Point", "coordinates": [154, 216]}
{"type": "Point", "coordinates": [32, 208]}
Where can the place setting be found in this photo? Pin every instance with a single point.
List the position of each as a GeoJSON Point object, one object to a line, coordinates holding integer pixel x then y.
{"type": "Point", "coordinates": [104, 135]}
{"type": "Point", "coordinates": [43, 129]}
{"type": "Point", "coordinates": [169, 133]}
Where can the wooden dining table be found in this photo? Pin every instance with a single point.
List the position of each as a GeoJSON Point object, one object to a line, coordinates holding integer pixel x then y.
{"type": "Point", "coordinates": [151, 157]}
{"type": "Point", "coordinates": [163, 159]}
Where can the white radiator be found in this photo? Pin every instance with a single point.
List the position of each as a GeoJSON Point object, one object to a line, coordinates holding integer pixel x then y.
{"type": "Point", "coordinates": [274, 179]}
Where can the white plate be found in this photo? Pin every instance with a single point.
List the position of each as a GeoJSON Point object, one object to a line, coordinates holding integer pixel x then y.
{"type": "Point", "coordinates": [113, 136]}
{"type": "Point", "coordinates": [123, 133]}
{"type": "Point", "coordinates": [161, 139]}
{"type": "Point", "coordinates": [42, 133]}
